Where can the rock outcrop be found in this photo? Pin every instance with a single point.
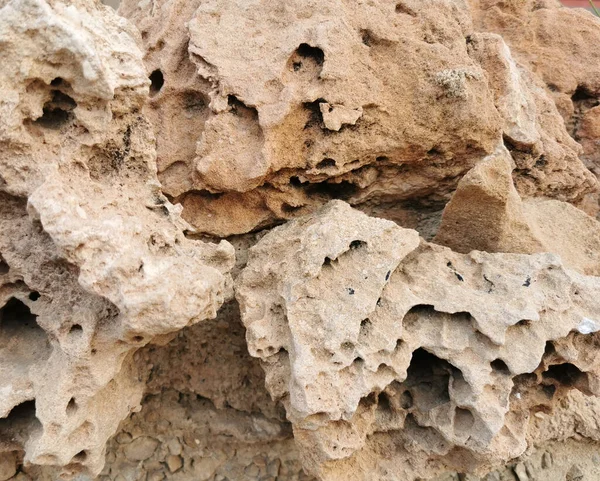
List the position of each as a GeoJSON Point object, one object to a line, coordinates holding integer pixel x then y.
{"type": "Point", "coordinates": [558, 45]}
{"type": "Point", "coordinates": [383, 213]}
{"type": "Point", "coordinates": [376, 343]}
{"type": "Point", "coordinates": [94, 263]}
{"type": "Point", "coordinates": [311, 103]}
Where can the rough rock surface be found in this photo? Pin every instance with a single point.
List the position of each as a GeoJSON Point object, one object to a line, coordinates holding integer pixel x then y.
{"type": "Point", "coordinates": [429, 308]}
{"type": "Point", "coordinates": [376, 343]}
{"type": "Point", "coordinates": [94, 264]}
{"type": "Point", "coordinates": [310, 103]}
{"type": "Point", "coordinates": [567, 63]}
{"type": "Point", "coordinates": [487, 214]}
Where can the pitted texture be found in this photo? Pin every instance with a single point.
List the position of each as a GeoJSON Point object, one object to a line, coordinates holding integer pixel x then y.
{"type": "Point", "coordinates": [379, 104]}
{"type": "Point", "coordinates": [94, 261]}
{"type": "Point", "coordinates": [368, 345]}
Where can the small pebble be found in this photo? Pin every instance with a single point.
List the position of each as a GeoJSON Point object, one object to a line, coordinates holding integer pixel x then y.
{"type": "Point", "coordinates": [574, 474]}
{"type": "Point", "coordinates": [174, 462]}
{"type": "Point", "coordinates": [546, 460]}
{"type": "Point", "coordinates": [521, 472]}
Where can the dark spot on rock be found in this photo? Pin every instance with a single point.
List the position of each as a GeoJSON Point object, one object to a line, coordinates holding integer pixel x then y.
{"type": "Point", "coordinates": [355, 244]}
{"type": "Point", "coordinates": [57, 112]}
{"type": "Point", "coordinates": [500, 366]}
{"type": "Point", "coordinates": [76, 329]}
{"type": "Point", "coordinates": [350, 290]}
{"type": "Point", "coordinates": [314, 53]}
{"type": "Point", "coordinates": [157, 81]}
{"type": "Point", "coordinates": [325, 163]}
{"type": "Point", "coordinates": [527, 282]}
{"type": "Point", "coordinates": [406, 400]}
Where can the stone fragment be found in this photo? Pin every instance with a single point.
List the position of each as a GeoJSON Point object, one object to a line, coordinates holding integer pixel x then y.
{"type": "Point", "coordinates": [174, 462]}
{"type": "Point", "coordinates": [8, 466]}
{"type": "Point", "coordinates": [141, 448]}
{"type": "Point", "coordinates": [521, 472]}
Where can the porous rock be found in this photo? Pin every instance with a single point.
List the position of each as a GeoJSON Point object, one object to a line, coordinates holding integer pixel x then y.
{"type": "Point", "coordinates": [376, 343]}
{"type": "Point", "coordinates": [94, 263]}
{"type": "Point", "coordinates": [558, 46]}
{"type": "Point", "coordinates": [312, 103]}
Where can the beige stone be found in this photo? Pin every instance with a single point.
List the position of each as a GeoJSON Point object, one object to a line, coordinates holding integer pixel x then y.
{"type": "Point", "coordinates": [141, 448]}
{"type": "Point", "coordinates": [94, 260]}
{"type": "Point", "coordinates": [8, 466]}
{"type": "Point", "coordinates": [311, 104]}
{"type": "Point", "coordinates": [372, 340]}
{"type": "Point", "coordinates": [487, 214]}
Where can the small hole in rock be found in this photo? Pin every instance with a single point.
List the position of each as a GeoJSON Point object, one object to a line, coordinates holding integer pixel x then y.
{"type": "Point", "coordinates": [138, 338]}
{"type": "Point", "coordinates": [16, 314]}
{"type": "Point", "coordinates": [500, 366]}
{"type": "Point", "coordinates": [157, 81]}
{"type": "Point", "coordinates": [325, 163]}
{"type": "Point", "coordinates": [34, 296]}
{"type": "Point", "coordinates": [366, 38]}
{"type": "Point", "coordinates": [549, 390]}
{"type": "Point", "coordinates": [314, 53]}
{"type": "Point", "coordinates": [406, 400]}
{"type": "Point", "coordinates": [289, 209]}
{"type": "Point", "coordinates": [71, 407]}
{"type": "Point", "coordinates": [57, 112]}
{"type": "Point", "coordinates": [4, 268]}
{"type": "Point", "coordinates": [80, 457]}
{"type": "Point", "coordinates": [582, 93]}
{"type": "Point", "coordinates": [295, 181]}
{"type": "Point", "coordinates": [566, 374]}
{"type": "Point", "coordinates": [76, 329]}
{"type": "Point", "coordinates": [401, 8]}
{"type": "Point", "coordinates": [355, 244]}
{"type": "Point", "coordinates": [383, 402]}
{"type": "Point", "coordinates": [549, 349]}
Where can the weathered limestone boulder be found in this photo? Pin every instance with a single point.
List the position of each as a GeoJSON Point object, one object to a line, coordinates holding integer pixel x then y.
{"type": "Point", "coordinates": [94, 263]}
{"type": "Point", "coordinates": [312, 103]}
{"type": "Point", "coordinates": [328, 141]}
{"type": "Point", "coordinates": [397, 358]}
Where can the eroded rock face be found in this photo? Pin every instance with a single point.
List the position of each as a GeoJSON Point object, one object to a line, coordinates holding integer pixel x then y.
{"type": "Point", "coordinates": [567, 63]}
{"type": "Point", "coordinates": [372, 340]}
{"type": "Point", "coordinates": [363, 350]}
{"type": "Point", "coordinates": [311, 103]}
{"type": "Point", "coordinates": [94, 261]}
